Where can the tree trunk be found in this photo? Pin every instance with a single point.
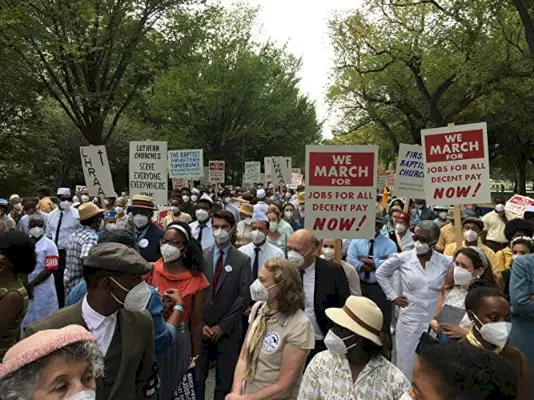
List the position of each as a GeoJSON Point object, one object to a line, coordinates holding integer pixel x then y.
{"type": "Point", "coordinates": [521, 174]}
{"type": "Point", "coordinates": [528, 25]}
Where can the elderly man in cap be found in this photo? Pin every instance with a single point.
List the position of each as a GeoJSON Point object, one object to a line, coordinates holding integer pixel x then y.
{"type": "Point", "coordinates": [472, 228]}
{"type": "Point", "coordinates": [367, 255]}
{"type": "Point", "coordinates": [260, 206]}
{"type": "Point", "coordinates": [147, 233]}
{"type": "Point", "coordinates": [201, 228]}
{"type": "Point", "coordinates": [62, 222]}
{"type": "Point", "coordinates": [80, 242]}
{"type": "Point", "coordinates": [15, 202]}
{"type": "Point", "coordinates": [114, 312]}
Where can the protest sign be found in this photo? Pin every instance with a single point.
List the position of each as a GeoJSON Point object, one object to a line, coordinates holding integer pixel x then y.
{"type": "Point", "coordinates": [216, 172]}
{"type": "Point", "coordinates": [390, 178]}
{"type": "Point", "coordinates": [79, 188]}
{"type": "Point", "coordinates": [205, 180]}
{"type": "Point", "coordinates": [515, 207]}
{"type": "Point", "coordinates": [341, 191]}
{"type": "Point", "coordinates": [281, 171]}
{"type": "Point", "coordinates": [186, 164]}
{"type": "Point", "coordinates": [380, 181]}
{"type": "Point", "coordinates": [456, 165]}
{"type": "Point", "coordinates": [96, 171]}
{"type": "Point", "coordinates": [296, 180]}
{"type": "Point", "coordinates": [252, 172]}
{"type": "Point", "coordinates": [410, 173]}
{"type": "Point", "coordinates": [179, 183]}
{"type": "Point", "coordinates": [268, 168]}
{"type": "Point", "coordinates": [148, 170]}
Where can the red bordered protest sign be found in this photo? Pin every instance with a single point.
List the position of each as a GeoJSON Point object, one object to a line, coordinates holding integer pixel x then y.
{"type": "Point", "coordinates": [340, 191]}
{"type": "Point", "coordinates": [456, 164]}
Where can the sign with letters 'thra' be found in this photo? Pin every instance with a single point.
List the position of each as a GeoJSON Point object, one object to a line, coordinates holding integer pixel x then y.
{"type": "Point", "coordinates": [148, 170]}
{"type": "Point", "coordinates": [340, 191]}
{"type": "Point", "coordinates": [457, 165]}
{"type": "Point", "coordinates": [186, 164]}
{"type": "Point", "coordinates": [96, 171]}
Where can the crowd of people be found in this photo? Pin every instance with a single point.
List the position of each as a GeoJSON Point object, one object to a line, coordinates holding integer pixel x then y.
{"type": "Point", "coordinates": [111, 298]}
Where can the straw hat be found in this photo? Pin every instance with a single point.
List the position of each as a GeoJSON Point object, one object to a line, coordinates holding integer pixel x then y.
{"type": "Point", "coordinates": [88, 210]}
{"type": "Point", "coordinates": [359, 315]}
{"type": "Point", "coordinates": [41, 344]}
{"type": "Point", "coordinates": [246, 209]}
{"type": "Point", "coordinates": [300, 198]}
{"type": "Point", "coordinates": [141, 201]}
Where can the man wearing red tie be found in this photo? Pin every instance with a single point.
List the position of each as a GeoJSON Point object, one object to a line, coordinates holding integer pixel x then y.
{"type": "Point", "coordinates": [230, 274]}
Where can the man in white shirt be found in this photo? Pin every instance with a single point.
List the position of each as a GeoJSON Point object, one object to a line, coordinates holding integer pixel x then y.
{"type": "Point", "coordinates": [62, 222]}
{"type": "Point", "coordinates": [29, 208]}
{"type": "Point", "coordinates": [201, 228]}
{"type": "Point", "coordinates": [228, 205]}
{"type": "Point", "coordinates": [261, 206]}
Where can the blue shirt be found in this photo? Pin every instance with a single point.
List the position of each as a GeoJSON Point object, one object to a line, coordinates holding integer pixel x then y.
{"type": "Point", "coordinates": [382, 250]}
{"type": "Point", "coordinates": [162, 331]}
{"type": "Point", "coordinates": [216, 251]}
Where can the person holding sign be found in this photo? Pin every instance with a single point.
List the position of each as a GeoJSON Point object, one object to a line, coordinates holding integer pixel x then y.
{"type": "Point", "coordinates": [422, 272]}
{"type": "Point", "coordinates": [472, 228]}
{"type": "Point", "coordinates": [148, 235]}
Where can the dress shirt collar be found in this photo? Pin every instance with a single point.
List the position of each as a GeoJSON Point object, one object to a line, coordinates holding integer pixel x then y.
{"type": "Point", "coordinates": [223, 249]}
{"type": "Point", "coordinates": [263, 247]}
{"type": "Point", "coordinates": [92, 318]}
{"type": "Point", "coordinates": [310, 269]}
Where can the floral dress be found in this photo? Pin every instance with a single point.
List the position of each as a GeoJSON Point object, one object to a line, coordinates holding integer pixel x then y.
{"type": "Point", "coordinates": [456, 298]}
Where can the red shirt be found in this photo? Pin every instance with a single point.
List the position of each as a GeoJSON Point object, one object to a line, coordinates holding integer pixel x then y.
{"type": "Point", "coordinates": [187, 283]}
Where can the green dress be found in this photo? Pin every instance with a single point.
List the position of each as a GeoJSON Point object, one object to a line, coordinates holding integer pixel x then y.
{"type": "Point", "coordinates": [10, 336]}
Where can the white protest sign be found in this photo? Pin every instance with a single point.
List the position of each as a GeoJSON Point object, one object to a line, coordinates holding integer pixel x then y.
{"type": "Point", "coordinates": [186, 164]}
{"type": "Point", "coordinates": [380, 181]}
{"type": "Point", "coordinates": [268, 168]}
{"type": "Point", "coordinates": [456, 165]}
{"type": "Point", "coordinates": [79, 188]}
{"type": "Point", "coordinates": [390, 178]}
{"type": "Point", "coordinates": [204, 181]}
{"type": "Point", "coordinates": [148, 170]}
{"type": "Point", "coordinates": [96, 171]}
{"type": "Point", "coordinates": [341, 191]}
{"type": "Point", "coordinates": [216, 172]}
{"type": "Point", "coordinates": [296, 180]}
{"type": "Point", "coordinates": [252, 172]}
{"type": "Point", "coordinates": [179, 183]}
{"type": "Point", "coordinates": [281, 171]}
{"type": "Point", "coordinates": [410, 173]}
{"type": "Point", "coordinates": [515, 207]}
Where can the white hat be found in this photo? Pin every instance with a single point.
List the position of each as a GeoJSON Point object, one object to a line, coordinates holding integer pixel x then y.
{"type": "Point", "coordinates": [14, 197]}
{"type": "Point", "coordinates": [206, 197]}
{"type": "Point", "coordinates": [63, 192]}
{"type": "Point", "coordinates": [361, 316]}
{"type": "Point", "coordinates": [260, 193]}
{"type": "Point", "coordinates": [195, 191]}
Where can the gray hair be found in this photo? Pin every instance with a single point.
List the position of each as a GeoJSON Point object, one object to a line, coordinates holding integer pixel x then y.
{"type": "Point", "coordinates": [431, 228]}
{"type": "Point", "coordinates": [36, 218]}
{"type": "Point", "coordinates": [22, 384]}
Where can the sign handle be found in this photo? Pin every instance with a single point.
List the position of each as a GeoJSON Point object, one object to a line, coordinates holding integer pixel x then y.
{"type": "Point", "coordinates": [337, 249]}
{"type": "Point", "coordinates": [406, 205]}
{"type": "Point", "coordinates": [458, 227]}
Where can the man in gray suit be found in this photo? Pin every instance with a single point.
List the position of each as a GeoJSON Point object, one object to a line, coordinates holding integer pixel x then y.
{"type": "Point", "coordinates": [230, 275]}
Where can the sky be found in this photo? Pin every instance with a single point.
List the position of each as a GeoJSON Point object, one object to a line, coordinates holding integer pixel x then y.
{"type": "Point", "coordinates": [303, 26]}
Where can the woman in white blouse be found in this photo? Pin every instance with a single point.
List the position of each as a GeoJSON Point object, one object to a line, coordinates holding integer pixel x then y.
{"type": "Point", "coordinates": [422, 272]}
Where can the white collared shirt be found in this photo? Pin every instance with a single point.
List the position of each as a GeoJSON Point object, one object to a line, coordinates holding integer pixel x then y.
{"type": "Point", "coordinates": [308, 281]}
{"type": "Point", "coordinates": [267, 252]}
{"type": "Point", "coordinates": [207, 235]}
{"type": "Point", "coordinates": [101, 327]}
{"type": "Point", "coordinates": [69, 224]}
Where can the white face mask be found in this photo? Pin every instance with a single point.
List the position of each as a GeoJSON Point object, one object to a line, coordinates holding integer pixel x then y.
{"type": "Point", "coordinates": [336, 345]}
{"type": "Point", "coordinates": [301, 211]}
{"type": "Point", "coordinates": [329, 253]}
{"type": "Point", "coordinates": [106, 202]}
{"type": "Point", "coordinates": [462, 276]}
{"type": "Point", "coordinates": [17, 207]}
{"type": "Point", "coordinates": [119, 210]}
{"type": "Point", "coordinates": [288, 195]}
{"type": "Point", "coordinates": [221, 236]}
{"type": "Point", "coordinates": [288, 214]}
{"type": "Point", "coordinates": [400, 228]}
{"type": "Point", "coordinates": [443, 215]}
{"type": "Point", "coordinates": [295, 258]}
{"type": "Point", "coordinates": [170, 253]}
{"type": "Point", "coordinates": [85, 395]}
{"type": "Point", "coordinates": [85, 198]}
{"type": "Point", "coordinates": [499, 208]}
{"type": "Point", "coordinates": [227, 200]}
{"type": "Point", "coordinates": [258, 292]}
{"type": "Point", "coordinates": [36, 232]}
{"type": "Point", "coordinates": [514, 256]}
{"type": "Point", "coordinates": [470, 236]}
{"type": "Point", "coordinates": [420, 206]}
{"type": "Point", "coordinates": [496, 333]}
{"type": "Point", "coordinates": [140, 220]}
{"type": "Point", "coordinates": [175, 210]}
{"type": "Point", "coordinates": [136, 298]}
{"type": "Point", "coordinates": [421, 248]}
{"type": "Point", "coordinates": [65, 204]}
{"type": "Point", "coordinates": [257, 236]}
{"type": "Point", "coordinates": [273, 226]}
{"type": "Point", "coordinates": [185, 198]}
{"type": "Point", "coordinates": [194, 198]}
{"type": "Point", "coordinates": [202, 215]}
{"type": "Point", "coordinates": [75, 199]}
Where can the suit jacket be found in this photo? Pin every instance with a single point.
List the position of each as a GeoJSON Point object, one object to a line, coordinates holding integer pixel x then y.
{"type": "Point", "coordinates": [226, 306]}
{"type": "Point", "coordinates": [137, 342]}
{"type": "Point", "coordinates": [427, 214]}
{"type": "Point", "coordinates": [151, 252]}
{"type": "Point", "coordinates": [331, 290]}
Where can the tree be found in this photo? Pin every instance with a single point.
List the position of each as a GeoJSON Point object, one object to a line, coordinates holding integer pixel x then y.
{"type": "Point", "coordinates": [92, 56]}
{"type": "Point", "coordinates": [237, 99]}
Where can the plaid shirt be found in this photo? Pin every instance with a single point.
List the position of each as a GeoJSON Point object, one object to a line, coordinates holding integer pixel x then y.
{"type": "Point", "coordinates": [78, 246]}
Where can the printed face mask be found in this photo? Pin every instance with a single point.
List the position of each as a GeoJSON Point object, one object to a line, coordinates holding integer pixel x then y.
{"type": "Point", "coordinates": [258, 292]}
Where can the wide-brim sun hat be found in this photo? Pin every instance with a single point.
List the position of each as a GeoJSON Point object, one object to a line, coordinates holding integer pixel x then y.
{"type": "Point", "coordinates": [141, 201]}
{"type": "Point", "coordinates": [246, 209]}
{"type": "Point", "coordinates": [361, 316]}
{"type": "Point", "coordinates": [88, 210]}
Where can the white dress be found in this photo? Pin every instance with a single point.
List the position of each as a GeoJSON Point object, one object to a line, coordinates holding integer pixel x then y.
{"type": "Point", "coordinates": [421, 287]}
{"type": "Point", "coordinates": [44, 300]}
